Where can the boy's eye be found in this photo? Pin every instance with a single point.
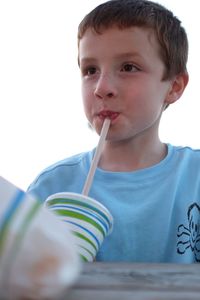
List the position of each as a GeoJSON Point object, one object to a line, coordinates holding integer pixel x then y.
{"type": "Point", "coordinates": [89, 71]}
{"type": "Point", "coordinates": [129, 67]}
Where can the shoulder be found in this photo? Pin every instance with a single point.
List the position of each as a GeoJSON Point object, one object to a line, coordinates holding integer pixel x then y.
{"type": "Point", "coordinates": [62, 169]}
{"type": "Point", "coordinates": [186, 152]}
{"type": "Point", "coordinates": [186, 158]}
{"type": "Point", "coordinates": [71, 161]}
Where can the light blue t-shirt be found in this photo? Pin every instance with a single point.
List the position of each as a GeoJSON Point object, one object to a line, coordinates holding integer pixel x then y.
{"type": "Point", "coordinates": [156, 210]}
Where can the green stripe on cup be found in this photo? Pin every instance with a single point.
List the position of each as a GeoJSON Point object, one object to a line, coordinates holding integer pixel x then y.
{"type": "Point", "coordinates": [79, 216]}
{"type": "Point", "coordinates": [81, 236]}
{"type": "Point", "coordinates": [76, 202]}
{"type": "Point", "coordinates": [90, 253]}
{"type": "Point", "coordinates": [83, 258]}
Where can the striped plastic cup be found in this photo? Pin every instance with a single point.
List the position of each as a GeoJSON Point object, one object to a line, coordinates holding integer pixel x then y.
{"type": "Point", "coordinates": [88, 219]}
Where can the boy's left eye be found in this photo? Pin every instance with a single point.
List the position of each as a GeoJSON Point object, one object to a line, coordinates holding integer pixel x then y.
{"type": "Point", "coordinates": [129, 67]}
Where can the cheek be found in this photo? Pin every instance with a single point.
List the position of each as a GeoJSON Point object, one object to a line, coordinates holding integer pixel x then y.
{"type": "Point", "coordinates": [144, 108]}
{"type": "Point", "coordinates": [87, 102]}
{"type": "Point", "coordinates": [83, 92]}
{"type": "Point", "coordinates": [86, 90]}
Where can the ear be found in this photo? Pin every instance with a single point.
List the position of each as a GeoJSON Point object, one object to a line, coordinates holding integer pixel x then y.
{"type": "Point", "coordinates": [178, 85]}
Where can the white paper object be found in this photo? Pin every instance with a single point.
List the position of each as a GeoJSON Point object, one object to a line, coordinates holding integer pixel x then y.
{"type": "Point", "coordinates": [38, 256]}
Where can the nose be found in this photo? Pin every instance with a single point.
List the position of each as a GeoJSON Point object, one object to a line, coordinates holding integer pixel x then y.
{"type": "Point", "coordinates": [105, 87]}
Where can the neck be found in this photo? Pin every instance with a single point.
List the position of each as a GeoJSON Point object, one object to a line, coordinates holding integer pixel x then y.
{"type": "Point", "coordinates": [125, 158]}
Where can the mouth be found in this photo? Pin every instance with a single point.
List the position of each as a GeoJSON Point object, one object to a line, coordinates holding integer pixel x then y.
{"type": "Point", "coordinates": [112, 115]}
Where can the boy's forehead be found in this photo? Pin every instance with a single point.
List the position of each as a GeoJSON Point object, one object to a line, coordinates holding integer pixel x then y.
{"type": "Point", "coordinates": [116, 34]}
{"type": "Point", "coordinates": [125, 40]}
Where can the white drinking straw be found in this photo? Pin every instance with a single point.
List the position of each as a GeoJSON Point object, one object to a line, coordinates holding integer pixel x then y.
{"type": "Point", "coordinates": [96, 158]}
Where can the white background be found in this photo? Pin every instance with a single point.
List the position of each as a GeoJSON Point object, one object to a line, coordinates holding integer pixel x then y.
{"type": "Point", "coordinates": [41, 114]}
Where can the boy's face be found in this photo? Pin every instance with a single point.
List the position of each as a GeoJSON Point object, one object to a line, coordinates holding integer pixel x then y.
{"type": "Point", "coordinates": [122, 75]}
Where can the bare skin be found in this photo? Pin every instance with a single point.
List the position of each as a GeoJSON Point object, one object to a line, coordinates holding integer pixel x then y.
{"type": "Point", "coordinates": [122, 79]}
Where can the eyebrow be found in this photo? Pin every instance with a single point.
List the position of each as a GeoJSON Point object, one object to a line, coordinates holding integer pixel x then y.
{"type": "Point", "coordinates": [86, 60]}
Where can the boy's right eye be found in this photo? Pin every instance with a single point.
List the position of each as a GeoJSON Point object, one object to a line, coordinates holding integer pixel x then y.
{"type": "Point", "coordinates": [89, 71]}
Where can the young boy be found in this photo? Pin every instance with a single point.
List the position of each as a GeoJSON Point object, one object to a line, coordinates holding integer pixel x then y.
{"type": "Point", "coordinates": [132, 57]}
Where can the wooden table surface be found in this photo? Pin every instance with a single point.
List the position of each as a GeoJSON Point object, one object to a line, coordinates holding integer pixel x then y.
{"type": "Point", "coordinates": [130, 281]}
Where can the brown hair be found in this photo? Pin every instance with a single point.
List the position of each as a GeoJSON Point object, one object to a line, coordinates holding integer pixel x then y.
{"type": "Point", "coordinates": [143, 13]}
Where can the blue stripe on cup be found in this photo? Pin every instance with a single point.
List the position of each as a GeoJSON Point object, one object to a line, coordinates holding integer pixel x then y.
{"type": "Point", "coordinates": [85, 212]}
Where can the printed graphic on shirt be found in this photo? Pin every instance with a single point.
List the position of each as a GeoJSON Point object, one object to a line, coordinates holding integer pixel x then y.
{"type": "Point", "coordinates": [189, 234]}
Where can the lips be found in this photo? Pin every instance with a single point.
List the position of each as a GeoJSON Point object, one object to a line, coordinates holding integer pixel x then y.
{"type": "Point", "coordinates": [108, 114]}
